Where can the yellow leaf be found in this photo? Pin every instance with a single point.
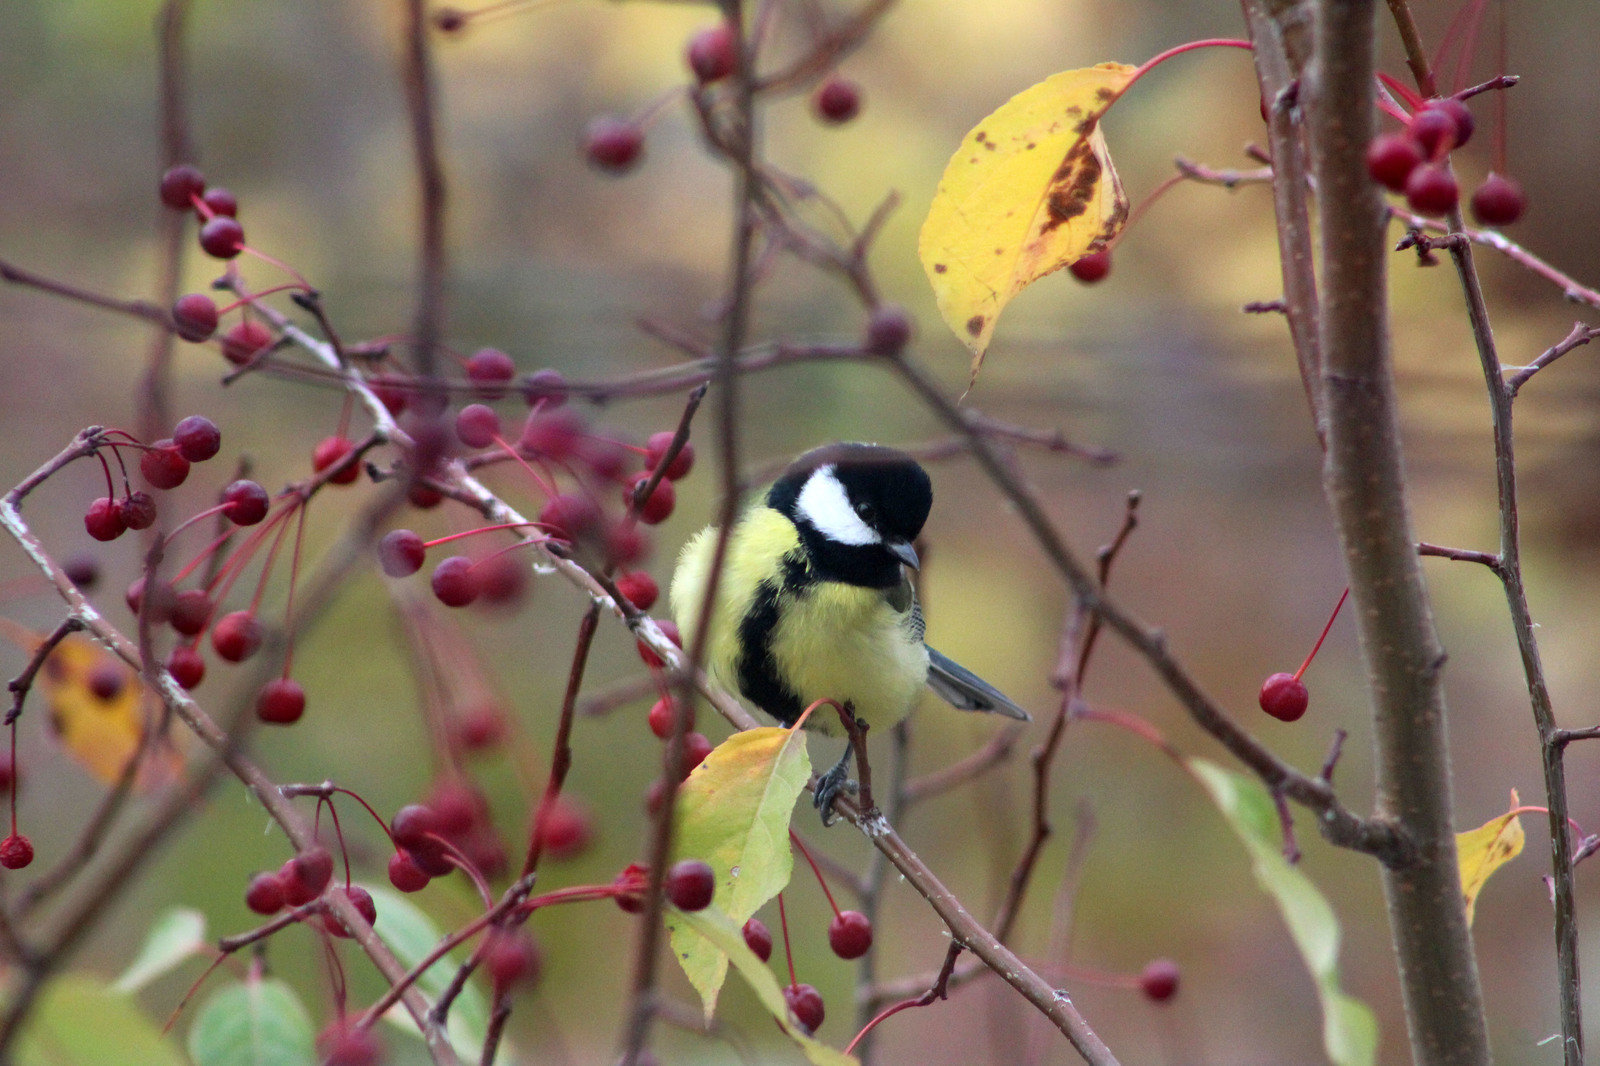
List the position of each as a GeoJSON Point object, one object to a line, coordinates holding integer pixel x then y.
{"type": "Point", "coordinates": [1030, 190]}
{"type": "Point", "coordinates": [1484, 850]}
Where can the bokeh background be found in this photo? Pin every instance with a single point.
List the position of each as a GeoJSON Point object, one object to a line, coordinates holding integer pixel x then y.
{"type": "Point", "coordinates": [297, 108]}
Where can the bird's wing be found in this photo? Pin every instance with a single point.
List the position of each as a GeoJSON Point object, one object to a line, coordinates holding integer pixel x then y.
{"type": "Point", "coordinates": [966, 691]}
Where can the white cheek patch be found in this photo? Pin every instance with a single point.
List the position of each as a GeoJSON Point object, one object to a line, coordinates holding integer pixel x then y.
{"type": "Point", "coordinates": [824, 503]}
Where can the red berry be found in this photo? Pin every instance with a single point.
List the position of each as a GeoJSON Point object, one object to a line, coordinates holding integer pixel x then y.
{"type": "Point", "coordinates": [696, 746]}
{"type": "Point", "coordinates": [265, 894]}
{"type": "Point", "coordinates": [222, 237]}
{"type": "Point", "coordinates": [82, 570]}
{"type": "Point", "coordinates": [661, 717]}
{"type": "Point", "coordinates": [1460, 115]}
{"type": "Point", "coordinates": [1499, 201]}
{"type": "Point", "coordinates": [180, 184]}
{"type": "Point", "coordinates": [103, 520]}
{"type": "Point", "coordinates": [221, 201]}
{"type": "Point", "coordinates": [138, 510]}
{"type": "Point", "coordinates": [491, 366]}
{"type": "Point", "coordinates": [888, 330]}
{"type": "Point", "coordinates": [837, 100]}
{"type": "Point", "coordinates": [1391, 157]}
{"type": "Point", "coordinates": [106, 681]}
{"type": "Point", "coordinates": [245, 503]}
{"type": "Point", "coordinates": [1284, 696]}
{"type": "Point", "coordinates": [568, 516]}
{"type": "Point", "coordinates": [477, 426]}
{"type": "Point", "coordinates": [455, 583]}
{"type": "Point", "coordinates": [194, 317]}
{"type": "Point", "coordinates": [1092, 267]}
{"type": "Point", "coordinates": [512, 958]}
{"type": "Point", "coordinates": [481, 728]}
{"type": "Point", "coordinates": [460, 807]}
{"type": "Point", "coordinates": [422, 497]}
{"type": "Point", "coordinates": [244, 340]}
{"type": "Point", "coordinates": [405, 874]}
{"type": "Point", "coordinates": [713, 53]}
{"type": "Point", "coordinates": [1434, 130]}
{"type": "Point", "coordinates": [197, 438]}
{"type": "Point", "coordinates": [656, 448]}
{"type": "Point", "coordinates": [657, 507]}
{"type": "Point", "coordinates": [161, 600]}
{"type": "Point", "coordinates": [670, 630]}
{"type": "Point", "coordinates": [640, 589]}
{"type": "Point", "coordinates": [1159, 980]}
{"type": "Point", "coordinates": [626, 545]}
{"type": "Point", "coordinates": [655, 796]}
{"type": "Point", "coordinates": [16, 851]}
{"type": "Point", "coordinates": [552, 434]}
{"type": "Point", "coordinates": [1431, 190]}
{"type": "Point", "coordinates": [330, 452]}
{"type": "Point", "coordinates": [632, 880]}
{"type": "Point", "coordinates": [690, 885]}
{"type": "Point", "coordinates": [391, 392]}
{"type": "Point", "coordinates": [188, 669]}
{"type": "Point", "coordinates": [850, 934]}
{"type": "Point", "coordinates": [191, 610]}
{"type": "Point", "coordinates": [236, 636]}
{"type": "Point", "coordinates": [415, 826]}
{"type": "Point", "coordinates": [805, 1003]}
{"type": "Point", "coordinates": [281, 702]}
{"type": "Point", "coordinates": [163, 465]}
{"type": "Point", "coordinates": [546, 388]}
{"type": "Point", "coordinates": [344, 1043]}
{"type": "Point", "coordinates": [306, 875]}
{"type": "Point", "coordinates": [566, 829]}
{"type": "Point", "coordinates": [612, 144]}
{"type": "Point", "coordinates": [450, 20]}
{"type": "Point", "coordinates": [363, 902]}
{"type": "Point", "coordinates": [401, 553]}
{"type": "Point", "coordinates": [758, 938]}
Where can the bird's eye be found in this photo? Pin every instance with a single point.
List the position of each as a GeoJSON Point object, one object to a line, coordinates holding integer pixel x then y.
{"type": "Point", "coordinates": [866, 511]}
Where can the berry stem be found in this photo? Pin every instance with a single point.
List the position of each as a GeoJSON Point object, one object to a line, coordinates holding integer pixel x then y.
{"type": "Point", "coordinates": [797, 842]}
{"type": "Point", "coordinates": [272, 557]}
{"type": "Point", "coordinates": [1318, 646]}
{"type": "Point", "coordinates": [1402, 90]}
{"type": "Point", "coordinates": [1209, 42]}
{"type": "Point", "coordinates": [15, 778]}
{"type": "Point", "coordinates": [783, 921]}
{"type": "Point", "coordinates": [480, 529]}
{"type": "Point", "coordinates": [545, 483]}
{"type": "Point", "coordinates": [338, 834]}
{"type": "Point", "coordinates": [294, 574]}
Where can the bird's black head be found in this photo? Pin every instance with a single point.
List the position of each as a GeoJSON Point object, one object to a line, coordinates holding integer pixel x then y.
{"type": "Point", "coordinates": [857, 507]}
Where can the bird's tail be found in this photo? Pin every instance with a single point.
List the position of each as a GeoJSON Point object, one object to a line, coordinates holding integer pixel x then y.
{"type": "Point", "coordinates": [966, 691]}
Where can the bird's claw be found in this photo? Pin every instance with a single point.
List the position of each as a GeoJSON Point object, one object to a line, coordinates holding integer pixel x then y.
{"type": "Point", "coordinates": [829, 785]}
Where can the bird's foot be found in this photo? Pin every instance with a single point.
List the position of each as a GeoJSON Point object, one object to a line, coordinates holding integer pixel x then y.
{"type": "Point", "coordinates": [829, 785]}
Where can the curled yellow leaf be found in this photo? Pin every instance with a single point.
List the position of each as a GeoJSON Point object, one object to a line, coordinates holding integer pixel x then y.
{"type": "Point", "coordinates": [1482, 851]}
{"type": "Point", "coordinates": [1030, 190]}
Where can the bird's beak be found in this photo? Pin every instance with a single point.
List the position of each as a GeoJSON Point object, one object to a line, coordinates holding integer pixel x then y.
{"type": "Point", "coordinates": [902, 550]}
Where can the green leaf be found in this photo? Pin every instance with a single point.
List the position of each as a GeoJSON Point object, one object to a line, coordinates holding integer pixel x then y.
{"type": "Point", "coordinates": [177, 934]}
{"type": "Point", "coordinates": [81, 1021]}
{"type": "Point", "coordinates": [733, 813]}
{"type": "Point", "coordinates": [257, 1022]}
{"type": "Point", "coordinates": [1349, 1029]}
{"type": "Point", "coordinates": [728, 937]}
{"type": "Point", "coordinates": [412, 935]}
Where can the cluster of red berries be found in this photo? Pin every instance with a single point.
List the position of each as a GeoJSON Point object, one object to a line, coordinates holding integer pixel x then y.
{"type": "Point", "coordinates": [431, 838]}
{"type": "Point", "coordinates": [1415, 162]}
{"type": "Point", "coordinates": [164, 465]}
{"type": "Point", "coordinates": [689, 885]}
{"type": "Point", "coordinates": [302, 880]}
{"type": "Point", "coordinates": [183, 188]}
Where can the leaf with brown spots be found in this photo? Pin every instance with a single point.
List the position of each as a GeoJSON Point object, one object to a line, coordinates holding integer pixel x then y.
{"type": "Point", "coordinates": [1483, 850]}
{"type": "Point", "coordinates": [1030, 190]}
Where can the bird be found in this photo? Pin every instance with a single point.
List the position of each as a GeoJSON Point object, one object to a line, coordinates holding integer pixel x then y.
{"type": "Point", "coordinates": [815, 599]}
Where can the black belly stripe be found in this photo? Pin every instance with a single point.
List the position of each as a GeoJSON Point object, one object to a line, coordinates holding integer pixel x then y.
{"type": "Point", "coordinates": [758, 669]}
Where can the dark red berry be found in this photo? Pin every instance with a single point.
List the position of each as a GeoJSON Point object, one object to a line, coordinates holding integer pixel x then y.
{"type": "Point", "coordinates": [401, 553]}
{"type": "Point", "coordinates": [138, 510]}
{"type": "Point", "coordinates": [422, 497]}
{"type": "Point", "coordinates": [661, 717]}
{"type": "Point", "coordinates": [16, 851]}
{"type": "Point", "coordinates": [106, 681]}
{"type": "Point", "coordinates": [1431, 190]}
{"type": "Point", "coordinates": [631, 881]}
{"type": "Point", "coordinates": [1499, 201]}
{"type": "Point", "coordinates": [690, 885]}
{"type": "Point", "coordinates": [655, 796]}
{"type": "Point", "coordinates": [552, 434]}
{"type": "Point", "coordinates": [161, 600]}
{"type": "Point", "coordinates": [415, 826]}
{"type": "Point", "coordinates": [850, 934]}
{"type": "Point", "coordinates": [363, 903]}
{"type": "Point", "coordinates": [566, 829]}
{"type": "Point", "coordinates": [512, 958]}
{"type": "Point", "coordinates": [103, 520]}
{"type": "Point", "coordinates": [837, 100]}
{"type": "Point", "coordinates": [481, 728]}
{"type": "Point", "coordinates": [1284, 696]}
{"type": "Point", "coordinates": [640, 589]}
{"type": "Point", "coordinates": [569, 516]}
{"type": "Point", "coordinates": [163, 465]}
{"type": "Point", "coordinates": [805, 1003]}
{"type": "Point", "coordinates": [245, 503]}
{"type": "Point", "coordinates": [236, 636]}
{"type": "Point", "coordinates": [222, 237]}
{"type": "Point", "coordinates": [460, 807]}
{"type": "Point", "coordinates": [477, 426]}
{"type": "Point", "coordinates": [191, 611]}
{"type": "Point", "coordinates": [544, 388]}
{"type": "Point", "coordinates": [405, 874]}
{"type": "Point", "coordinates": [1461, 115]}
{"type": "Point", "coordinates": [281, 702]}
{"type": "Point", "coordinates": [221, 201]}
{"type": "Point", "coordinates": [626, 544]}
{"type": "Point", "coordinates": [244, 340]}
{"type": "Point", "coordinates": [613, 144]}
{"type": "Point", "coordinates": [656, 449]}
{"type": "Point", "coordinates": [306, 875]}
{"type": "Point", "coordinates": [197, 438]}
{"type": "Point", "coordinates": [888, 330]}
{"type": "Point", "coordinates": [669, 629]}
{"type": "Point", "coordinates": [344, 1043]}
{"type": "Point", "coordinates": [1092, 267]}
{"type": "Point", "coordinates": [180, 184]}
{"type": "Point", "coordinates": [265, 894]}
{"type": "Point", "coordinates": [391, 392]}
{"type": "Point", "coordinates": [657, 507]}
{"type": "Point", "coordinates": [1159, 980]}
{"type": "Point", "coordinates": [1434, 130]}
{"type": "Point", "coordinates": [188, 669]}
{"type": "Point", "coordinates": [330, 452]}
{"type": "Point", "coordinates": [82, 570]}
{"type": "Point", "coordinates": [194, 316]}
{"type": "Point", "coordinates": [696, 746]}
{"type": "Point", "coordinates": [713, 53]}
{"type": "Point", "coordinates": [1391, 157]}
{"type": "Point", "coordinates": [455, 582]}
{"type": "Point", "coordinates": [758, 938]}
{"type": "Point", "coordinates": [491, 366]}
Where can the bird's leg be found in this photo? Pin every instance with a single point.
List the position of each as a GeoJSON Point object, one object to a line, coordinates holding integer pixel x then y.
{"type": "Point", "coordinates": [837, 780]}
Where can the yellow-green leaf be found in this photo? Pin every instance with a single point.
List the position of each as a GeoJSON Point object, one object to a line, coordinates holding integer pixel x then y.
{"type": "Point", "coordinates": [1030, 190]}
{"type": "Point", "coordinates": [1349, 1028]}
{"type": "Point", "coordinates": [725, 935]}
{"type": "Point", "coordinates": [733, 813]}
{"type": "Point", "coordinates": [81, 1021]}
{"type": "Point", "coordinates": [1484, 850]}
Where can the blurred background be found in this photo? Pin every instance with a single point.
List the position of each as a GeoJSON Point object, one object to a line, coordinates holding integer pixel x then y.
{"type": "Point", "coordinates": [297, 108]}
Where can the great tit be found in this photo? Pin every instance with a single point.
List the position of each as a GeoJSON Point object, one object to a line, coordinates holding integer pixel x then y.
{"type": "Point", "coordinates": [815, 600]}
